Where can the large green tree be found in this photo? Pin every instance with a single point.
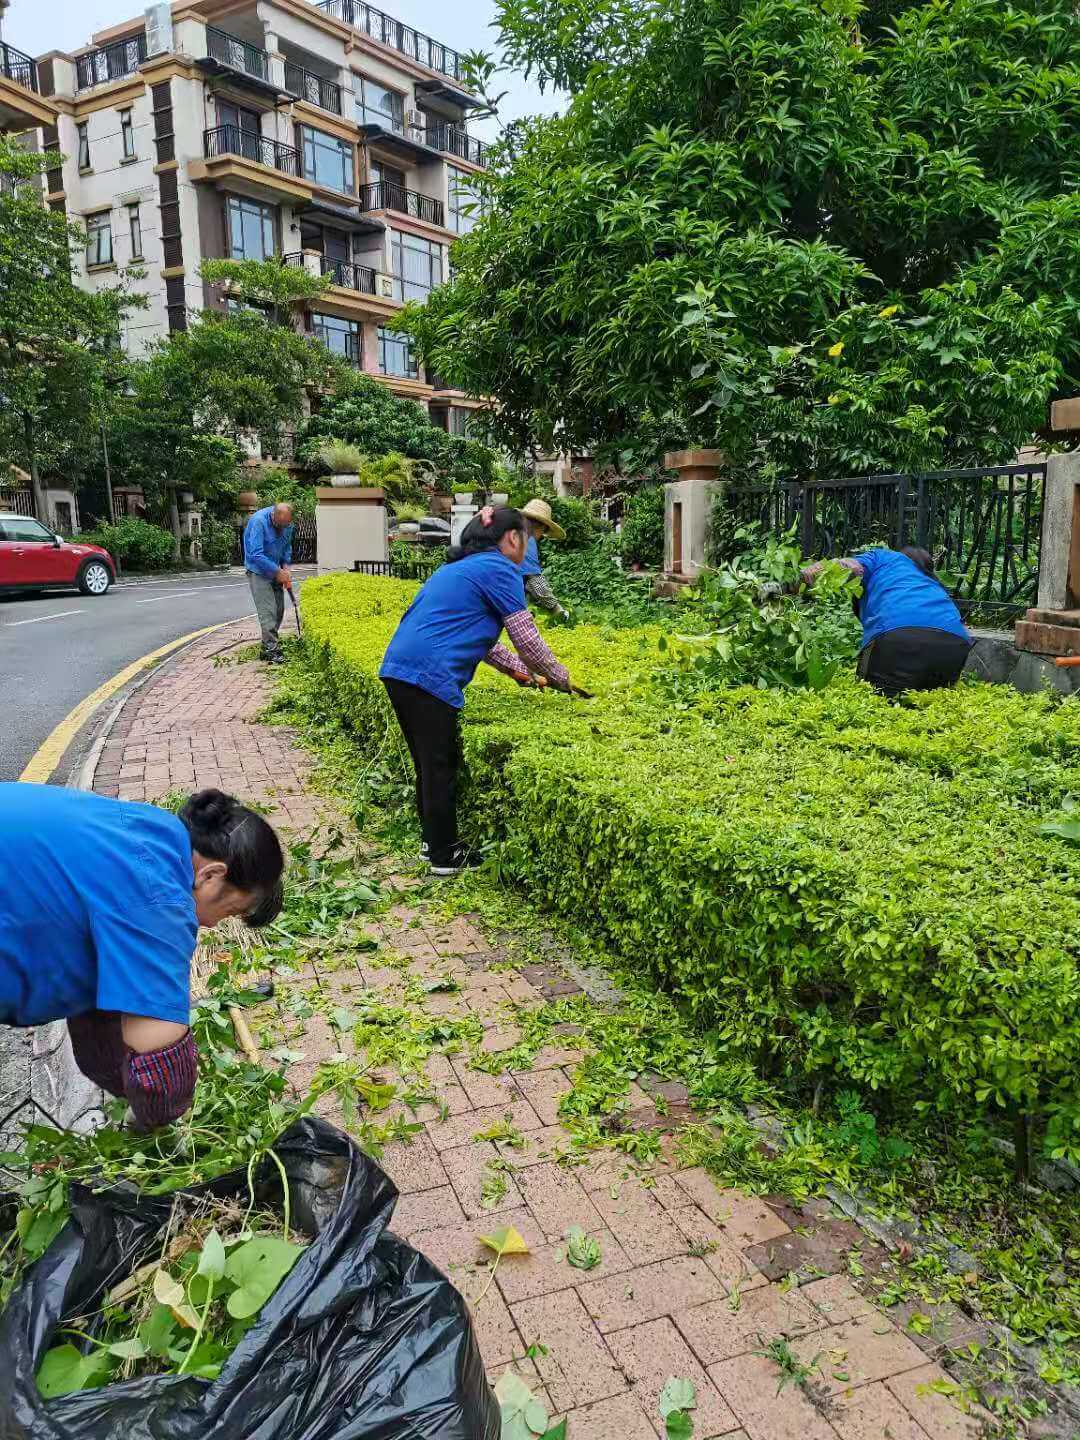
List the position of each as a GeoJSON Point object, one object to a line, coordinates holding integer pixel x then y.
{"type": "Point", "coordinates": [823, 235]}
{"type": "Point", "coordinates": [59, 345]}
{"type": "Point", "coordinates": [233, 374]}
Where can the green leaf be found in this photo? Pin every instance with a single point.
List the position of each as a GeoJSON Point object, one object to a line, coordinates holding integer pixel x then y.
{"type": "Point", "coordinates": [679, 1425]}
{"type": "Point", "coordinates": [583, 1252]}
{"type": "Point", "coordinates": [159, 1331]}
{"type": "Point", "coordinates": [64, 1370]}
{"type": "Point", "coordinates": [677, 1394]}
{"type": "Point", "coordinates": [212, 1257]}
{"type": "Point", "coordinates": [557, 1432]}
{"type": "Point", "coordinates": [257, 1268]}
{"type": "Point", "coordinates": [523, 1416]}
{"type": "Point", "coordinates": [133, 1349]}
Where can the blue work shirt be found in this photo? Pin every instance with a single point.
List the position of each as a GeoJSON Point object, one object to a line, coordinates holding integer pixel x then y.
{"type": "Point", "coordinates": [266, 549]}
{"type": "Point", "coordinates": [96, 907]}
{"type": "Point", "coordinates": [531, 564]}
{"type": "Point", "coordinates": [453, 623]}
{"type": "Point", "coordinates": [898, 596]}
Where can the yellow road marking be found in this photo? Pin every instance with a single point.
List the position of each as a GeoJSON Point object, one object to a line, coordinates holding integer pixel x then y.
{"type": "Point", "coordinates": [49, 754]}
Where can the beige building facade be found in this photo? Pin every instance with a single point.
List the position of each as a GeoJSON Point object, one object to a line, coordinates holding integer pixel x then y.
{"type": "Point", "coordinates": [327, 135]}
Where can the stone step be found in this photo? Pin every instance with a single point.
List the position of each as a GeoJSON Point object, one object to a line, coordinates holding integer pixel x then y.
{"type": "Point", "coordinates": [1054, 617]}
{"type": "Point", "coordinates": [1048, 639]}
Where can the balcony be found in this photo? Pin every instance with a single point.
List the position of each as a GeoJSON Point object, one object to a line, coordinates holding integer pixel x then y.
{"type": "Point", "coordinates": [239, 61]}
{"type": "Point", "coordinates": [111, 62]}
{"type": "Point", "coordinates": [360, 278]}
{"type": "Point", "coordinates": [316, 89]}
{"type": "Point", "coordinates": [392, 33]}
{"type": "Point", "coordinates": [453, 140]}
{"type": "Point", "coordinates": [230, 151]}
{"type": "Point", "coordinates": [388, 195]}
{"type": "Point", "coordinates": [16, 66]}
{"type": "Point", "coordinates": [21, 106]}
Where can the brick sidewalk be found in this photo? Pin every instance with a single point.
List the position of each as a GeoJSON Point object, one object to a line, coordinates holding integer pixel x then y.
{"type": "Point", "coordinates": [689, 1283]}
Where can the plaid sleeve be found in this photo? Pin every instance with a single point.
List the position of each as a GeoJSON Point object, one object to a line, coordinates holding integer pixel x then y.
{"type": "Point", "coordinates": [159, 1086]}
{"type": "Point", "coordinates": [538, 590]}
{"type": "Point", "coordinates": [506, 661]}
{"type": "Point", "coordinates": [531, 647]}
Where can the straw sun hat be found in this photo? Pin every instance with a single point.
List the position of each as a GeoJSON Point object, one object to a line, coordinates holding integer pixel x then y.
{"type": "Point", "coordinates": [540, 511]}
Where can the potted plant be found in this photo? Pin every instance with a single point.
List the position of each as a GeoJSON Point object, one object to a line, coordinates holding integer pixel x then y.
{"type": "Point", "coordinates": [408, 517]}
{"type": "Point", "coordinates": [336, 459]}
{"type": "Point", "coordinates": [463, 497]}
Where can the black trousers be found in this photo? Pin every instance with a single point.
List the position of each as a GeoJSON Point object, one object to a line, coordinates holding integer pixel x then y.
{"type": "Point", "coordinates": [913, 659]}
{"type": "Point", "coordinates": [432, 733]}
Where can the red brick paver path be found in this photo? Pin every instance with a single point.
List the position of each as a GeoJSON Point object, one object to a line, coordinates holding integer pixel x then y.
{"type": "Point", "coordinates": [683, 1286]}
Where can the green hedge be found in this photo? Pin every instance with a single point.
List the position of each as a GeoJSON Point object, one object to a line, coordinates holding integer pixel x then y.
{"type": "Point", "coordinates": [135, 543]}
{"type": "Point", "coordinates": [833, 884]}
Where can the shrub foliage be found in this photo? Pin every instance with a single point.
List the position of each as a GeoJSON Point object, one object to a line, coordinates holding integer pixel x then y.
{"type": "Point", "coordinates": [831, 885]}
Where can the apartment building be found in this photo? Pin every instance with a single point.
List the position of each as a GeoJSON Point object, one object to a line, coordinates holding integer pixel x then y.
{"type": "Point", "coordinates": [324, 133]}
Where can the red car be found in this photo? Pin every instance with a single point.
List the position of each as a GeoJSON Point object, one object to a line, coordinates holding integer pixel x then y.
{"type": "Point", "coordinates": [33, 558]}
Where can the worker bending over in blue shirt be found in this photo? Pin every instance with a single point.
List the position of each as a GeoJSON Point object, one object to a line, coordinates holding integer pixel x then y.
{"type": "Point", "coordinates": [453, 624]}
{"type": "Point", "coordinates": [268, 538]}
{"type": "Point", "coordinates": [913, 637]}
{"type": "Point", "coordinates": [99, 916]}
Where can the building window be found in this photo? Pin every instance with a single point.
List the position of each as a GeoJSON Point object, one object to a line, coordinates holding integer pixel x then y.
{"type": "Point", "coordinates": [249, 229]}
{"type": "Point", "coordinates": [466, 206]}
{"type": "Point", "coordinates": [341, 337]}
{"type": "Point", "coordinates": [386, 174]}
{"type": "Point", "coordinates": [327, 160]}
{"type": "Point", "coordinates": [375, 105]}
{"type": "Point", "coordinates": [84, 145]}
{"type": "Point", "coordinates": [135, 231]}
{"type": "Point", "coordinates": [99, 249]}
{"type": "Point", "coordinates": [127, 132]}
{"type": "Point", "coordinates": [416, 265]}
{"type": "Point", "coordinates": [396, 355]}
{"type": "Point", "coordinates": [457, 420]}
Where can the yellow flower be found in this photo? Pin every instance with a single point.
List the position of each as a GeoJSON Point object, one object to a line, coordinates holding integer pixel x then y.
{"type": "Point", "coordinates": [889, 311]}
{"type": "Point", "coordinates": [837, 349]}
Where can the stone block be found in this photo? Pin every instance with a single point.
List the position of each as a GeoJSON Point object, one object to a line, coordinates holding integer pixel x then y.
{"type": "Point", "coordinates": [1065, 415]}
{"type": "Point", "coordinates": [724, 1329]}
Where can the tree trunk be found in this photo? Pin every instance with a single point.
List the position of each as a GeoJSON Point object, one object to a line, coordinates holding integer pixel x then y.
{"type": "Point", "coordinates": [40, 507]}
{"type": "Point", "coordinates": [174, 521]}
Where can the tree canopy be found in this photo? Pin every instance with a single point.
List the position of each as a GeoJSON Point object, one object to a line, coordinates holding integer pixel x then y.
{"type": "Point", "coordinates": [59, 345]}
{"type": "Point", "coordinates": [824, 236]}
{"type": "Point", "coordinates": [364, 413]}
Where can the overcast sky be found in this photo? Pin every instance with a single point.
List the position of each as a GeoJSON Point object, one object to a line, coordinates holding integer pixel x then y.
{"type": "Point", "coordinates": [39, 25]}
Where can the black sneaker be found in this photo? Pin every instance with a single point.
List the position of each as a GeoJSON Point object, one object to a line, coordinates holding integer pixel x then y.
{"type": "Point", "coordinates": [461, 858]}
{"type": "Point", "coordinates": [425, 850]}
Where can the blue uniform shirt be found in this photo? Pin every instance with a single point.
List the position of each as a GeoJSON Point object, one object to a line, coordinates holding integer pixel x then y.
{"type": "Point", "coordinates": [531, 564]}
{"type": "Point", "coordinates": [453, 623]}
{"type": "Point", "coordinates": [96, 907]}
{"type": "Point", "coordinates": [897, 596]}
{"type": "Point", "coordinates": [266, 549]}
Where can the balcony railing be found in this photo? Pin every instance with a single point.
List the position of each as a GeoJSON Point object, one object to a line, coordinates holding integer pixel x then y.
{"type": "Point", "coordinates": [18, 67]}
{"type": "Point", "coordinates": [316, 88]}
{"type": "Point", "coordinates": [111, 62]}
{"type": "Point", "coordinates": [341, 272]}
{"type": "Point", "coordinates": [452, 140]}
{"type": "Point", "coordinates": [397, 36]}
{"type": "Point", "coordinates": [389, 195]}
{"type": "Point", "coordinates": [232, 140]}
{"type": "Point", "coordinates": [237, 54]}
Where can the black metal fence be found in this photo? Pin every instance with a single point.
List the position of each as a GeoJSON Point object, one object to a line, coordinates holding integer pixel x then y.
{"type": "Point", "coordinates": [237, 54]}
{"type": "Point", "coordinates": [983, 527]}
{"type": "Point", "coordinates": [388, 31]}
{"type": "Point", "coordinates": [316, 88]}
{"type": "Point", "coordinates": [304, 547]}
{"type": "Point", "coordinates": [420, 566]}
{"type": "Point", "coordinates": [389, 195]}
{"type": "Point", "coordinates": [110, 62]}
{"type": "Point", "coordinates": [18, 67]}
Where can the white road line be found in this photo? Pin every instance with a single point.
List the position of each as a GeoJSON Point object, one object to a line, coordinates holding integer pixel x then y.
{"type": "Point", "coordinates": [56, 615]}
{"type": "Point", "coordinates": [177, 594]}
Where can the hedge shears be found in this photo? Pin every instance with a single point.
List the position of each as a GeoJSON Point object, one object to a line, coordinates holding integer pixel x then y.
{"type": "Point", "coordinates": [541, 682]}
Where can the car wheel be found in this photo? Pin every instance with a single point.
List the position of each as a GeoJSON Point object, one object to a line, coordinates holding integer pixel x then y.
{"type": "Point", "coordinates": [94, 578]}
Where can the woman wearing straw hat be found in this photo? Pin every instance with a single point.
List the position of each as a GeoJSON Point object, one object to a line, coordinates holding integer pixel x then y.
{"type": "Point", "coordinates": [541, 524]}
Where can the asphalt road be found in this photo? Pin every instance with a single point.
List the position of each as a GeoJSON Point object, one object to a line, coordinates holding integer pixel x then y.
{"type": "Point", "coordinates": [58, 647]}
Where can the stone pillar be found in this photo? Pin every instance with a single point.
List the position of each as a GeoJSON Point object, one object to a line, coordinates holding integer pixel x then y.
{"type": "Point", "coordinates": [687, 507]}
{"type": "Point", "coordinates": [1059, 559]}
{"type": "Point", "coordinates": [351, 527]}
{"type": "Point", "coordinates": [461, 512]}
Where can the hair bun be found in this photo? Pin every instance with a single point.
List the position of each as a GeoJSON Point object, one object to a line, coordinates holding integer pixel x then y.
{"type": "Point", "coordinates": [209, 809]}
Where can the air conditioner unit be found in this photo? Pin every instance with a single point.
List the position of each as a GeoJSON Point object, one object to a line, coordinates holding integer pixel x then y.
{"type": "Point", "coordinates": [159, 29]}
{"type": "Point", "coordinates": [384, 285]}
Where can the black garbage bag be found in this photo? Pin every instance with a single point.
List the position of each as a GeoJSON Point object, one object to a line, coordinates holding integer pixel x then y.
{"type": "Point", "coordinates": [363, 1340]}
